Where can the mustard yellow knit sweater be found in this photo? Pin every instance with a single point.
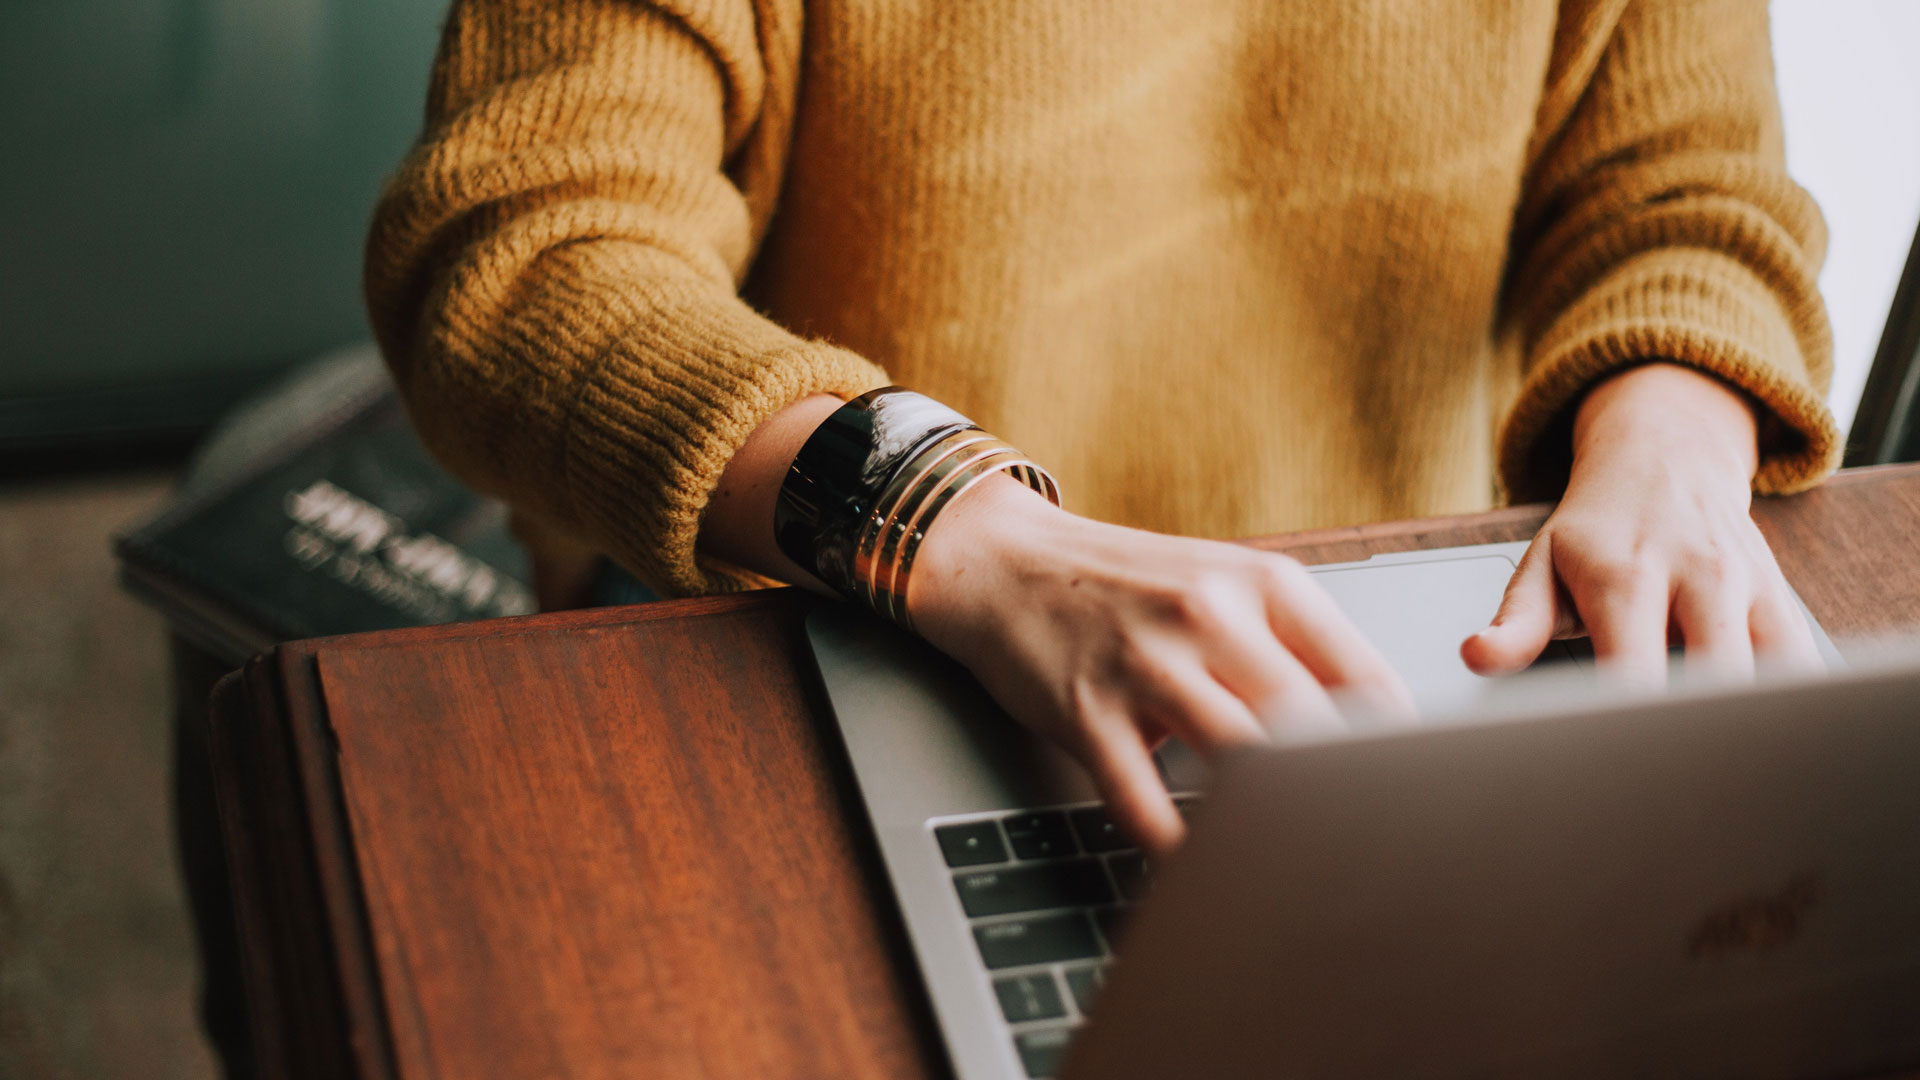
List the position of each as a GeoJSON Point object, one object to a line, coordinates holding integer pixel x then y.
{"type": "Point", "coordinates": [1227, 267]}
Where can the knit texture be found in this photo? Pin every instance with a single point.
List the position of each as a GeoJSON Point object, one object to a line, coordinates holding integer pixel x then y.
{"type": "Point", "coordinates": [1227, 267]}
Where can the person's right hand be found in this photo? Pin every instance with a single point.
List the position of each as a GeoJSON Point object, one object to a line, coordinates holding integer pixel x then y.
{"type": "Point", "coordinates": [1106, 639]}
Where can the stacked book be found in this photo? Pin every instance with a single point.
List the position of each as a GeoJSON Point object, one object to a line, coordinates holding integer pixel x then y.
{"type": "Point", "coordinates": [316, 511]}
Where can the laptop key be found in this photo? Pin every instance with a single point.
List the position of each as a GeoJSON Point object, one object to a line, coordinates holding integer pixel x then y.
{"type": "Point", "coordinates": [1097, 830]}
{"type": "Point", "coordinates": [972, 844]}
{"type": "Point", "coordinates": [1042, 1051]}
{"type": "Point", "coordinates": [1042, 834]}
{"type": "Point", "coordinates": [1112, 920]}
{"type": "Point", "coordinates": [1043, 939]}
{"type": "Point", "coordinates": [1029, 997]}
{"type": "Point", "coordinates": [1070, 883]}
{"type": "Point", "coordinates": [1129, 873]}
{"type": "Point", "coordinates": [1083, 983]}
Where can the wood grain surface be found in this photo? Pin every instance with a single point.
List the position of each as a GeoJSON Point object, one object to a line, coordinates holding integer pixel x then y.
{"type": "Point", "coordinates": [623, 843]}
{"type": "Point", "coordinates": [609, 858]}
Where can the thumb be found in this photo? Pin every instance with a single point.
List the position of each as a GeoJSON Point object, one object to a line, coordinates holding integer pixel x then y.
{"type": "Point", "coordinates": [1525, 622]}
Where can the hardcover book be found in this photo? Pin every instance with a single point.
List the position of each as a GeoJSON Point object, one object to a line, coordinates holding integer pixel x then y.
{"type": "Point", "coordinates": [346, 526]}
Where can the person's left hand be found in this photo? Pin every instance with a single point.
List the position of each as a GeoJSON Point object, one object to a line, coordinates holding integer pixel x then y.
{"type": "Point", "coordinates": [1652, 541]}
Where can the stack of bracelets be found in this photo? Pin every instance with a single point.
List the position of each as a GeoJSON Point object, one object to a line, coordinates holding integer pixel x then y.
{"type": "Point", "coordinates": [869, 483]}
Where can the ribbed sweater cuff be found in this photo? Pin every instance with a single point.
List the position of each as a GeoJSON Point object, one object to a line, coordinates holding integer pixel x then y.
{"type": "Point", "coordinates": [649, 438]}
{"type": "Point", "coordinates": [1694, 307]}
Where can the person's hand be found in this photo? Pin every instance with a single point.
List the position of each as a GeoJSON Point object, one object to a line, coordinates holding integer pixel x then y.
{"type": "Point", "coordinates": [1652, 541]}
{"type": "Point", "coordinates": [1106, 639]}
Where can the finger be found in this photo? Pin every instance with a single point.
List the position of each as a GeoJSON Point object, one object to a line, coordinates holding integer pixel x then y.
{"type": "Point", "coordinates": [1306, 712]}
{"type": "Point", "coordinates": [1781, 635]}
{"type": "Point", "coordinates": [1318, 638]}
{"type": "Point", "coordinates": [1531, 614]}
{"type": "Point", "coordinates": [1153, 733]}
{"type": "Point", "coordinates": [1295, 705]}
{"type": "Point", "coordinates": [1627, 616]}
{"type": "Point", "coordinates": [1713, 620]}
{"type": "Point", "coordinates": [1268, 681]}
{"type": "Point", "coordinates": [1191, 703]}
{"type": "Point", "coordinates": [1130, 784]}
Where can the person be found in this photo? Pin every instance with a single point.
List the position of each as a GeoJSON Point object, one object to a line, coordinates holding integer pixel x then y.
{"type": "Point", "coordinates": [1221, 268]}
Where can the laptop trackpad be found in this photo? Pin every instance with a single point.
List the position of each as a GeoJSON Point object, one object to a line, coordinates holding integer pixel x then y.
{"type": "Point", "coordinates": [1416, 613]}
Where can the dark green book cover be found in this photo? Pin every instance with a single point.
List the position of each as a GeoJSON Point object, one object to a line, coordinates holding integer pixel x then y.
{"type": "Point", "coordinates": [350, 528]}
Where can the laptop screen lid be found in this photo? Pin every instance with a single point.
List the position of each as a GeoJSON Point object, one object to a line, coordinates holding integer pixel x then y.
{"type": "Point", "coordinates": [1712, 884]}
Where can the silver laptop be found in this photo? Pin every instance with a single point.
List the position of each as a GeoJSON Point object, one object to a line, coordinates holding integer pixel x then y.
{"type": "Point", "coordinates": [1411, 857]}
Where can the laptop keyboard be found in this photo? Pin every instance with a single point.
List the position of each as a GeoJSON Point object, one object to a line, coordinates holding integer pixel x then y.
{"type": "Point", "coordinates": [1045, 893]}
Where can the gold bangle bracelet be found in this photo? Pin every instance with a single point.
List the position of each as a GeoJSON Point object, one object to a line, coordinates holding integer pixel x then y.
{"type": "Point", "coordinates": [885, 515]}
{"type": "Point", "coordinates": [1019, 467]}
{"type": "Point", "coordinates": [917, 512]}
{"type": "Point", "coordinates": [865, 487]}
{"type": "Point", "coordinates": [897, 527]}
{"type": "Point", "coordinates": [880, 540]}
{"type": "Point", "coordinates": [935, 473]}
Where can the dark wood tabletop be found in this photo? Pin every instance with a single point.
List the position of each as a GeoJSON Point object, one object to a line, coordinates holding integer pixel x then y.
{"type": "Point", "coordinates": [624, 842]}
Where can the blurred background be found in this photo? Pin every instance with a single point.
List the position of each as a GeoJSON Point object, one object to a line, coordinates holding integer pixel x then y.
{"type": "Point", "coordinates": [181, 216]}
{"type": "Point", "coordinates": [184, 188]}
{"type": "Point", "coordinates": [182, 201]}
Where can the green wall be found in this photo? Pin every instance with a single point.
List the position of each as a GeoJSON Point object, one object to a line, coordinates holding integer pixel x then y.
{"type": "Point", "coordinates": [185, 184]}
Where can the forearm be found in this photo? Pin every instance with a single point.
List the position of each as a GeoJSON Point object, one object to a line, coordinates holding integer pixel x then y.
{"type": "Point", "coordinates": [553, 273]}
{"type": "Point", "coordinates": [738, 524]}
{"type": "Point", "coordinates": [1660, 222]}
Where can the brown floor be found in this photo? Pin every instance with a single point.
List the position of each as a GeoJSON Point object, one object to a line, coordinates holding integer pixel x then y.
{"type": "Point", "coordinates": [96, 959]}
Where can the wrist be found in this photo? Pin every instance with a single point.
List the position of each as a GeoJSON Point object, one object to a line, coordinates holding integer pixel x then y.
{"type": "Point", "coordinates": [870, 482]}
{"type": "Point", "coordinates": [1665, 410]}
{"type": "Point", "coordinates": [992, 526]}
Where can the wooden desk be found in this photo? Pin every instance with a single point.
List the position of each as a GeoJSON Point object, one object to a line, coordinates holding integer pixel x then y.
{"type": "Point", "coordinates": [623, 843]}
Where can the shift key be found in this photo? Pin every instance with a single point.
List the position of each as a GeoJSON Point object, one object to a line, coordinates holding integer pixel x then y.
{"type": "Point", "coordinates": [1035, 887]}
{"type": "Point", "coordinates": [1041, 940]}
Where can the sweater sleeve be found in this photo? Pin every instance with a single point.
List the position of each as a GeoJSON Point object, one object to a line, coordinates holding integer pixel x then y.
{"type": "Point", "coordinates": [1658, 222]}
{"type": "Point", "coordinates": [553, 273]}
